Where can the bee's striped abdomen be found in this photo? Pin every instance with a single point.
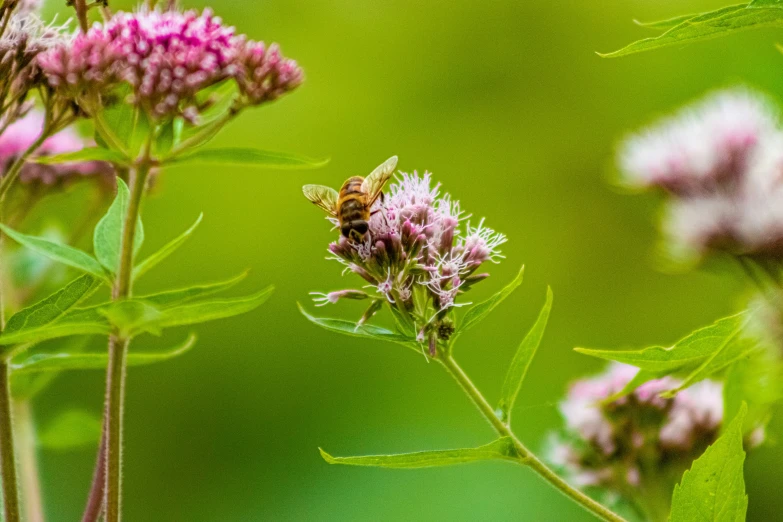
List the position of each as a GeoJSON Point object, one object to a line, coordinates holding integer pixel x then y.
{"type": "Point", "coordinates": [352, 209]}
{"type": "Point", "coordinates": [351, 205]}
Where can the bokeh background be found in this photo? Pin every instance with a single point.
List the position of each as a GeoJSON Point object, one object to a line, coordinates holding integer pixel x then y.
{"type": "Point", "coordinates": [508, 104]}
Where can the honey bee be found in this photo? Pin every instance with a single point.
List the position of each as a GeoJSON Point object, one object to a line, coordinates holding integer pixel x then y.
{"type": "Point", "coordinates": [351, 206]}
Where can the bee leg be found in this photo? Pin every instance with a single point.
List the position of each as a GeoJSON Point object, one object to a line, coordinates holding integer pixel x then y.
{"type": "Point", "coordinates": [383, 200]}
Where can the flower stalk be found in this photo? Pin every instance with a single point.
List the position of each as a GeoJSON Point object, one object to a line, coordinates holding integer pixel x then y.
{"type": "Point", "coordinates": [8, 472]}
{"type": "Point", "coordinates": [523, 454]}
{"type": "Point", "coordinates": [118, 346]}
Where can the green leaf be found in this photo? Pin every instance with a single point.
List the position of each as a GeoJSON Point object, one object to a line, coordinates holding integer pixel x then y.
{"type": "Point", "coordinates": [366, 331]}
{"type": "Point", "coordinates": [521, 362]}
{"type": "Point", "coordinates": [716, 23]}
{"type": "Point", "coordinates": [766, 3]}
{"type": "Point", "coordinates": [478, 312]}
{"type": "Point", "coordinates": [203, 311]}
{"type": "Point", "coordinates": [87, 154]}
{"type": "Point", "coordinates": [133, 317]}
{"type": "Point", "coordinates": [143, 315]}
{"type": "Point", "coordinates": [29, 269]}
{"type": "Point", "coordinates": [672, 22]}
{"type": "Point", "coordinates": [122, 127]}
{"type": "Point", "coordinates": [107, 239]}
{"type": "Point", "coordinates": [250, 157]}
{"type": "Point", "coordinates": [72, 429]}
{"type": "Point", "coordinates": [64, 254]}
{"type": "Point", "coordinates": [25, 385]}
{"type": "Point", "coordinates": [501, 449]}
{"type": "Point", "coordinates": [53, 331]}
{"type": "Point", "coordinates": [714, 488]}
{"type": "Point", "coordinates": [98, 313]}
{"type": "Point", "coordinates": [689, 352]}
{"type": "Point", "coordinates": [53, 307]}
{"type": "Point", "coordinates": [168, 137]}
{"type": "Point", "coordinates": [55, 362]}
{"type": "Point", "coordinates": [183, 295]}
{"type": "Point", "coordinates": [152, 261]}
{"type": "Point", "coordinates": [737, 348]}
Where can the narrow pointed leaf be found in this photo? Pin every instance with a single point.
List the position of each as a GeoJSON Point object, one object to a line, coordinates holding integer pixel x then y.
{"type": "Point", "coordinates": [153, 260]}
{"type": "Point", "coordinates": [107, 240]}
{"type": "Point", "coordinates": [737, 348]}
{"type": "Point", "coordinates": [673, 22]}
{"type": "Point", "coordinates": [250, 157]}
{"type": "Point", "coordinates": [521, 362]}
{"type": "Point", "coordinates": [163, 300]}
{"type": "Point", "coordinates": [54, 306]}
{"type": "Point", "coordinates": [211, 310]}
{"type": "Point", "coordinates": [54, 331]}
{"type": "Point", "coordinates": [62, 253]}
{"type": "Point", "coordinates": [88, 154]}
{"type": "Point", "coordinates": [687, 353]}
{"type": "Point", "coordinates": [54, 362]}
{"type": "Point", "coordinates": [183, 295]}
{"type": "Point", "coordinates": [25, 386]}
{"type": "Point", "coordinates": [704, 26]}
{"type": "Point", "coordinates": [478, 312]}
{"type": "Point", "coordinates": [714, 488]}
{"type": "Point", "coordinates": [366, 331]}
{"type": "Point", "coordinates": [72, 429]}
{"type": "Point", "coordinates": [501, 449]}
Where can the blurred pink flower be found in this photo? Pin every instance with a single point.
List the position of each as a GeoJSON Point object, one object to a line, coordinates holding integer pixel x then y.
{"type": "Point", "coordinates": [22, 134]}
{"type": "Point", "coordinates": [638, 437]}
{"type": "Point", "coordinates": [721, 162]}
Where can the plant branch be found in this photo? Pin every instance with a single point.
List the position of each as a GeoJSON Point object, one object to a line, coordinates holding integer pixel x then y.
{"type": "Point", "coordinates": [94, 508]}
{"type": "Point", "coordinates": [28, 462]}
{"type": "Point", "coordinates": [7, 457]}
{"type": "Point", "coordinates": [524, 456]}
{"type": "Point", "coordinates": [118, 350]}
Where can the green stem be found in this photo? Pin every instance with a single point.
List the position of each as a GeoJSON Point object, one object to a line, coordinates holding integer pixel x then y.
{"type": "Point", "coordinates": [28, 462]}
{"type": "Point", "coordinates": [525, 456]}
{"type": "Point", "coordinates": [115, 402]}
{"type": "Point", "coordinates": [118, 347]}
{"type": "Point", "coordinates": [7, 456]}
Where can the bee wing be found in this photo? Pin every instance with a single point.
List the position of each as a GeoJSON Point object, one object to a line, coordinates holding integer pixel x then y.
{"type": "Point", "coordinates": [324, 197]}
{"type": "Point", "coordinates": [374, 183]}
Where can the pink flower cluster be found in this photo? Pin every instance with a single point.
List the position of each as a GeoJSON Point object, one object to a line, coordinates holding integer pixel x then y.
{"type": "Point", "coordinates": [721, 162]}
{"type": "Point", "coordinates": [638, 437]}
{"type": "Point", "coordinates": [22, 133]}
{"type": "Point", "coordinates": [416, 246]}
{"type": "Point", "coordinates": [168, 57]}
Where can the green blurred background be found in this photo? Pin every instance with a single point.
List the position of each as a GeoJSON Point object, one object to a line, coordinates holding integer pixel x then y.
{"type": "Point", "coordinates": [508, 104]}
